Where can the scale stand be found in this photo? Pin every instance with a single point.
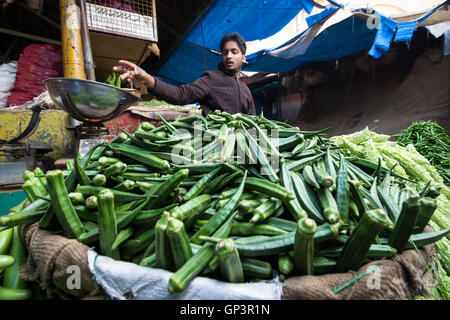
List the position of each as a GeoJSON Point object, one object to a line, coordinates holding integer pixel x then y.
{"type": "Point", "coordinates": [88, 135]}
{"type": "Point", "coordinates": [22, 156]}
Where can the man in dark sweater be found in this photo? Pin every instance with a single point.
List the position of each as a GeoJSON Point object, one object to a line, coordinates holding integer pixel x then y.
{"type": "Point", "coordinates": [221, 89]}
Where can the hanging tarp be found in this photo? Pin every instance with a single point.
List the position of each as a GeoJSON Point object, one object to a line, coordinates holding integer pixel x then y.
{"type": "Point", "coordinates": [326, 33]}
{"type": "Point", "coordinates": [253, 19]}
{"type": "Point", "coordinates": [347, 37]}
{"type": "Point", "coordinates": [335, 33]}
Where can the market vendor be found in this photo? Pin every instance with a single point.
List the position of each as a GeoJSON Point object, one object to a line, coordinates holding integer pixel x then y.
{"type": "Point", "coordinates": [221, 89]}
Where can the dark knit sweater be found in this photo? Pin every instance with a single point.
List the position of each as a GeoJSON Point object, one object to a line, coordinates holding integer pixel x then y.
{"type": "Point", "coordinates": [213, 90]}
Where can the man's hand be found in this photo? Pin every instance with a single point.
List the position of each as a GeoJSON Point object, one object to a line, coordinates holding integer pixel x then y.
{"type": "Point", "coordinates": [131, 72]}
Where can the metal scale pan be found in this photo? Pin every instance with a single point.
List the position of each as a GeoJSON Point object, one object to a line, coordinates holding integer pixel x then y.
{"type": "Point", "coordinates": [91, 103]}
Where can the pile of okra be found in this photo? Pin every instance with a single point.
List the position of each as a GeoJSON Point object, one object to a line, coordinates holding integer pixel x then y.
{"type": "Point", "coordinates": [237, 198]}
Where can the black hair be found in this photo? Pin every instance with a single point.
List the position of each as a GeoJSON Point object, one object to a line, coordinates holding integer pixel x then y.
{"type": "Point", "coordinates": [234, 36]}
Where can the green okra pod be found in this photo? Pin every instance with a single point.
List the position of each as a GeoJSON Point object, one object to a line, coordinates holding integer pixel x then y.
{"type": "Point", "coordinates": [229, 261]}
{"type": "Point", "coordinates": [427, 208]}
{"type": "Point", "coordinates": [62, 206]}
{"type": "Point", "coordinates": [404, 226]}
{"type": "Point", "coordinates": [107, 224]}
{"type": "Point", "coordinates": [357, 245]}
{"type": "Point", "coordinates": [179, 242]}
{"type": "Point", "coordinates": [164, 258]}
{"type": "Point", "coordinates": [304, 246]}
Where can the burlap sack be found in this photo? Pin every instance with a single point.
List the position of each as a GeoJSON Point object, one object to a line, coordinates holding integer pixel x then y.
{"type": "Point", "coordinates": [403, 276]}
{"type": "Point", "coordinates": [52, 260]}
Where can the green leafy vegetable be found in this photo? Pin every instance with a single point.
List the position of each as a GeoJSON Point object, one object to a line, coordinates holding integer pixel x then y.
{"type": "Point", "coordinates": [431, 141]}
{"type": "Point", "coordinates": [113, 80]}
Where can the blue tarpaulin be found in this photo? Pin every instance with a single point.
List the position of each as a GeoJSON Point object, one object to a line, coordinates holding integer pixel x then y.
{"type": "Point", "coordinates": [348, 37]}
{"type": "Point", "coordinates": [253, 19]}
{"type": "Point", "coordinates": [258, 20]}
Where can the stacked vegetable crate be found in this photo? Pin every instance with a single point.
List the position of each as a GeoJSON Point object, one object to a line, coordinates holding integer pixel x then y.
{"type": "Point", "coordinates": [260, 198]}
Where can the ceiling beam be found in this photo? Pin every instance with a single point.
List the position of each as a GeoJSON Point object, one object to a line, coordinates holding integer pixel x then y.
{"type": "Point", "coordinates": [29, 36]}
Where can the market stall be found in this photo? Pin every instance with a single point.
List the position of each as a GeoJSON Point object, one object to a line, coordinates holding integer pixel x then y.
{"type": "Point", "coordinates": [147, 225]}
{"type": "Point", "coordinates": [156, 201]}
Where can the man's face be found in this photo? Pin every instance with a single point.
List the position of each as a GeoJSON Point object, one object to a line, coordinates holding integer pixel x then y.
{"type": "Point", "coordinates": [232, 57]}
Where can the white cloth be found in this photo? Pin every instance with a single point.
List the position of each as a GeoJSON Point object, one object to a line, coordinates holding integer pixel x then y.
{"type": "Point", "coordinates": [8, 73]}
{"type": "Point", "coordinates": [439, 29]}
{"type": "Point", "coordinates": [124, 280]}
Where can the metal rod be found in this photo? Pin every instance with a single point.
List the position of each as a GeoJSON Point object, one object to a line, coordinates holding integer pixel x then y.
{"type": "Point", "coordinates": [86, 39]}
{"type": "Point", "coordinates": [279, 98]}
{"type": "Point", "coordinates": [29, 36]}
{"type": "Point", "coordinates": [11, 46]}
{"type": "Point", "coordinates": [155, 29]}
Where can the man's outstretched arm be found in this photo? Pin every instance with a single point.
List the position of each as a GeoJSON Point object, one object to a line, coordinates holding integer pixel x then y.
{"type": "Point", "coordinates": [131, 72]}
{"type": "Point", "coordinates": [184, 94]}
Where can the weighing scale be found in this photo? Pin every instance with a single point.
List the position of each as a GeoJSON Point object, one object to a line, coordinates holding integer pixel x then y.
{"type": "Point", "coordinates": [91, 103]}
